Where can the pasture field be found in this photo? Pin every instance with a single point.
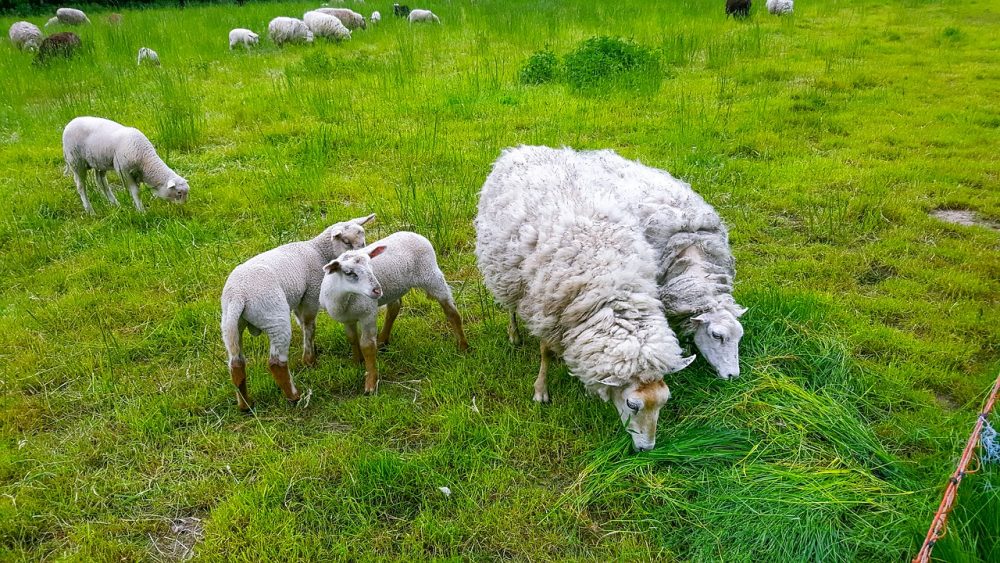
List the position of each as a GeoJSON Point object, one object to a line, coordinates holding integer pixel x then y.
{"type": "Point", "coordinates": [825, 139]}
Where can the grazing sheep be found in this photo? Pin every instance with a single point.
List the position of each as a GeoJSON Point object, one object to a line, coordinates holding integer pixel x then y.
{"type": "Point", "coordinates": [68, 16]}
{"type": "Point", "coordinates": [400, 10]}
{"type": "Point", "coordinates": [102, 144]}
{"type": "Point", "coordinates": [245, 37]}
{"type": "Point", "coordinates": [695, 267]}
{"type": "Point", "coordinates": [779, 7]}
{"type": "Point", "coordinates": [25, 36]}
{"type": "Point", "coordinates": [423, 16]}
{"type": "Point", "coordinates": [147, 54]}
{"type": "Point", "coordinates": [738, 8]}
{"type": "Point", "coordinates": [325, 25]}
{"type": "Point", "coordinates": [115, 19]}
{"type": "Point", "coordinates": [582, 277]}
{"type": "Point", "coordinates": [351, 19]}
{"type": "Point", "coordinates": [261, 293]}
{"type": "Point", "coordinates": [360, 281]}
{"type": "Point", "coordinates": [62, 44]}
{"type": "Point", "coordinates": [283, 30]}
{"type": "Point", "coordinates": [376, 17]}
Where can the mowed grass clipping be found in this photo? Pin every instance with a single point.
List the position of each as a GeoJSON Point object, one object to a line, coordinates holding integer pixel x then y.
{"type": "Point", "coordinates": [824, 139]}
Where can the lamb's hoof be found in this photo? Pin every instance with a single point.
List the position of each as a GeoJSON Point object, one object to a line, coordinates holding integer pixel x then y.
{"type": "Point", "coordinates": [463, 346]}
{"type": "Point", "coordinates": [309, 361]}
{"type": "Point", "coordinates": [542, 397]}
{"type": "Point", "coordinates": [515, 339]}
{"type": "Point", "coordinates": [246, 409]}
{"type": "Point", "coordinates": [382, 346]}
{"type": "Point", "coordinates": [370, 390]}
{"type": "Point", "coordinates": [358, 359]}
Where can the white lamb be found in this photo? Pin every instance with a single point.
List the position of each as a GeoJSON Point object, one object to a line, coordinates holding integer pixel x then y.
{"type": "Point", "coordinates": [68, 16]}
{"type": "Point", "coordinates": [376, 17]}
{"type": "Point", "coordinates": [147, 54]}
{"type": "Point", "coordinates": [583, 278]}
{"type": "Point", "coordinates": [283, 30]}
{"type": "Point", "coordinates": [779, 7]}
{"type": "Point", "coordinates": [25, 36]}
{"type": "Point", "coordinates": [360, 281]}
{"type": "Point", "coordinates": [102, 144]}
{"type": "Point", "coordinates": [424, 16]}
{"type": "Point", "coordinates": [325, 25]}
{"type": "Point", "coordinates": [241, 36]}
{"type": "Point", "coordinates": [262, 292]}
{"type": "Point", "coordinates": [351, 19]}
{"type": "Point", "coordinates": [695, 267]}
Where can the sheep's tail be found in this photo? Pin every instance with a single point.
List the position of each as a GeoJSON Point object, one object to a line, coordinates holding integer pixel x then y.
{"type": "Point", "coordinates": [231, 312]}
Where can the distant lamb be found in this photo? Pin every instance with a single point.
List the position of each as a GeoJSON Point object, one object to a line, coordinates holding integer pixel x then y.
{"type": "Point", "coordinates": [779, 7]}
{"type": "Point", "coordinates": [283, 30]}
{"type": "Point", "coordinates": [695, 267]}
{"type": "Point", "coordinates": [261, 293]}
{"type": "Point", "coordinates": [425, 16]}
{"type": "Point", "coordinates": [63, 44]}
{"type": "Point", "coordinates": [147, 54]}
{"type": "Point", "coordinates": [25, 36]}
{"type": "Point", "coordinates": [325, 25]}
{"type": "Point", "coordinates": [358, 282]}
{"type": "Point", "coordinates": [115, 19]}
{"type": "Point", "coordinates": [245, 37]}
{"type": "Point", "coordinates": [351, 19]}
{"type": "Point", "coordinates": [102, 145]}
{"type": "Point", "coordinates": [68, 16]}
{"type": "Point", "coordinates": [576, 268]}
{"type": "Point", "coordinates": [738, 8]}
{"type": "Point", "coordinates": [376, 17]}
{"type": "Point", "coordinates": [400, 10]}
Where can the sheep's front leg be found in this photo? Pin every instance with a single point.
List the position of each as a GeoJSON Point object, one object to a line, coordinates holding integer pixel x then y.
{"type": "Point", "coordinates": [351, 328]}
{"type": "Point", "coordinates": [102, 181]}
{"type": "Point", "coordinates": [513, 334]}
{"type": "Point", "coordinates": [541, 387]}
{"type": "Point", "coordinates": [307, 320]}
{"type": "Point", "coordinates": [133, 188]}
{"type": "Point", "coordinates": [79, 178]}
{"type": "Point", "coordinates": [369, 349]}
{"type": "Point", "coordinates": [391, 312]}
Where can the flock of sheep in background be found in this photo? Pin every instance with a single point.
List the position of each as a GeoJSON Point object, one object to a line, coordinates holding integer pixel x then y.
{"type": "Point", "coordinates": [602, 258]}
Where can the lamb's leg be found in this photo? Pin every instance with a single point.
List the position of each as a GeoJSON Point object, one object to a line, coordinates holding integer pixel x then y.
{"type": "Point", "coordinates": [440, 292]}
{"type": "Point", "coordinates": [541, 387]}
{"type": "Point", "coordinates": [102, 181]}
{"type": "Point", "coordinates": [133, 188]}
{"type": "Point", "coordinates": [351, 328]}
{"type": "Point", "coordinates": [369, 349]}
{"type": "Point", "coordinates": [307, 320]}
{"type": "Point", "coordinates": [513, 334]}
{"type": "Point", "coordinates": [79, 178]}
{"type": "Point", "coordinates": [232, 337]}
{"type": "Point", "coordinates": [391, 312]}
{"type": "Point", "coordinates": [281, 337]}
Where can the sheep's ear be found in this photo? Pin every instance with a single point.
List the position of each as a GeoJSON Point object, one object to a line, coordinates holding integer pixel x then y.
{"type": "Point", "coordinates": [685, 362]}
{"type": "Point", "coordinates": [376, 251]}
{"type": "Point", "coordinates": [702, 318]}
{"type": "Point", "coordinates": [739, 311]}
{"type": "Point", "coordinates": [363, 220]}
{"type": "Point", "coordinates": [171, 183]}
{"type": "Point", "coordinates": [332, 267]}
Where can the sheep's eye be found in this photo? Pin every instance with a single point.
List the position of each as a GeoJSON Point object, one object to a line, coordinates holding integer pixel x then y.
{"type": "Point", "coordinates": [634, 405]}
{"type": "Point", "coordinates": [351, 275]}
{"type": "Point", "coordinates": [717, 336]}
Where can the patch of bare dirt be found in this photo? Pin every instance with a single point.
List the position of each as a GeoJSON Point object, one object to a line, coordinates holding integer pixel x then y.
{"type": "Point", "coordinates": [965, 217]}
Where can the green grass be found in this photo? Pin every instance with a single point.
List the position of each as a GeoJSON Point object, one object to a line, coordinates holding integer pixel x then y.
{"type": "Point", "coordinates": [824, 139]}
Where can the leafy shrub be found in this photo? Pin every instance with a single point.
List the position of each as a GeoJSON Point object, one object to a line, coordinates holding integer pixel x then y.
{"type": "Point", "coordinates": [602, 62]}
{"type": "Point", "coordinates": [540, 68]}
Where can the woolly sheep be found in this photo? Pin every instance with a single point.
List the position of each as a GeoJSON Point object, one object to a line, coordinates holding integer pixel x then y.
{"type": "Point", "coordinates": [695, 267]}
{"type": "Point", "coordinates": [376, 17]}
{"type": "Point", "coordinates": [400, 10]}
{"type": "Point", "coordinates": [283, 30]}
{"type": "Point", "coordinates": [261, 293]}
{"type": "Point", "coordinates": [63, 44]}
{"type": "Point", "coordinates": [52, 21]}
{"type": "Point", "coordinates": [147, 54]}
{"type": "Point", "coordinates": [360, 281]}
{"type": "Point", "coordinates": [574, 267]}
{"type": "Point", "coordinates": [779, 7]}
{"type": "Point", "coordinates": [325, 25]}
{"type": "Point", "coordinates": [240, 36]}
{"type": "Point", "coordinates": [425, 16]}
{"type": "Point", "coordinates": [68, 16]}
{"type": "Point", "coordinates": [25, 36]}
{"type": "Point", "coordinates": [351, 19]}
{"type": "Point", "coordinates": [102, 144]}
{"type": "Point", "coordinates": [738, 8]}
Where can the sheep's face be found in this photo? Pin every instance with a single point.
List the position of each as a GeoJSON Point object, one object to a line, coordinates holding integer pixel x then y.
{"type": "Point", "coordinates": [350, 235]}
{"type": "Point", "coordinates": [639, 407]}
{"type": "Point", "coordinates": [175, 190]}
{"type": "Point", "coordinates": [717, 335]}
{"type": "Point", "coordinates": [353, 270]}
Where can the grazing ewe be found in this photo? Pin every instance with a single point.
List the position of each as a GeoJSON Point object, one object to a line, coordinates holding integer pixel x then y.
{"type": "Point", "coordinates": [283, 30]}
{"type": "Point", "coordinates": [262, 292]}
{"type": "Point", "coordinates": [115, 19]}
{"type": "Point", "coordinates": [325, 25]}
{"type": "Point", "coordinates": [68, 16]}
{"type": "Point", "coordinates": [102, 144]}
{"type": "Point", "coordinates": [245, 37]}
{"type": "Point", "coordinates": [779, 7]}
{"type": "Point", "coordinates": [357, 283]}
{"type": "Point", "coordinates": [147, 54]}
{"type": "Point", "coordinates": [25, 36]}
{"type": "Point", "coordinates": [400, 10]}
{"type": "Point", "coordinates": [351, 19]}
{"type": "Point", "coordinates": [695, 267]}
{"type": "Point", "coordinates": [376, 17]}
{"type": "Point", "coordinates": [424, 16]}
{"type": "Point", "coordinates": [582, 277]}
{"type": "Point", "coordinates": [738, 8]}
{"type": "Point", "coordinates": [62, 44]}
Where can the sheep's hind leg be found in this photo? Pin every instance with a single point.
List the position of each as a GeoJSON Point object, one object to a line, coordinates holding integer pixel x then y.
{"type": "Point", "coordinates": [102, 181]}
{"type": "Point", "coordinates": [541, 387]}
{"type": "Point", "coordinates": [513, 334]}
{"type": "Point", "coordinates": [351, 328]}
{"type": "Point", "coordinates": [79, 178]}
{"type": "Point", "coordinates": [369, 350]}
{"type": "Point", "coordinates": [439, 291]}
{"type": "Point", "coordinates": [391, 312]}
{"type": "Point", "coordinates": [281, 337]}
{"type": "Point", "coordinates": [307, 321]}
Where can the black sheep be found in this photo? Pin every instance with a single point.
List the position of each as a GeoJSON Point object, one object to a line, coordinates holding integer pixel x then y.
{"type": "Point", "coordinates": [400, 10]}
{"type": "Point", "coordinates": [62, 44]}
{"type": "Point", "coordinates": [738, 8]}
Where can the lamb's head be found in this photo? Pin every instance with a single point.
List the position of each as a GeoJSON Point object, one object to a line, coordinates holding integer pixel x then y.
{"type": "Point", "coordinates": [639, 407]}
{"type": "Point", "coordinates": [175, 190]}
{"type": "Point", "coordinates": [717, 335]}
{"type": "Point", "coordinates": [52, 22]}
{"type": "Point", "coordinates": [309, 36]}
{"type": "Point", "coordinates": [364, 23]}
{"type": "Point", "coordinates": [353, 272]}
{"type": "Point", "coordinates": [348, 235]}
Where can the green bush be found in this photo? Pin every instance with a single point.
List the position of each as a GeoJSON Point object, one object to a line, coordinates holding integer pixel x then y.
{"type": "Point", "coordinates": [602, 62]}
{"type": "Point", "coordinates": [540, 68]}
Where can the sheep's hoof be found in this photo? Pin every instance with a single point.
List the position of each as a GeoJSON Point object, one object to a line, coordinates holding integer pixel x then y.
{"type": "Point", "coordinates": [463, 346]}
{"type": "Point", "coordinates": [309, 360]}
{"type": "Point", "coordinates": [515, 339]}
{"type": "Point", "coordinates": [246, 409]}
{"type": "Point", "coordinates": [382, 346]}
{"type": "Point", "coordinates": [542, 397]}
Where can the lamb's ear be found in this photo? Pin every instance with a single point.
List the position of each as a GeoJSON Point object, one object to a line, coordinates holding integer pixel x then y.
{"type": "Point", "coordinates": [702, 318]}
{"type": "Point", "coordinates": [171, 183]}
{"type": "Point", "coordinates": [739, 311]}
{"type": "Point", "coordinates": [332, 267]}
{"type": "Point", "coordinates": [376, 251]}
{"type": "Point", "coordinates": [685, 362]}
{"type": "Point", "coordinates": [363, 220]}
